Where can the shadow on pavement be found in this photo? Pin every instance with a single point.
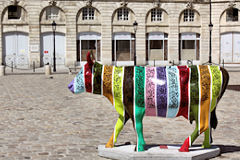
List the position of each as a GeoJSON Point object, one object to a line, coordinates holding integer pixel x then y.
{"type": "Point", "coordinates": [234, 87]}
{"type": "Point", "coordinates": [228, 148]}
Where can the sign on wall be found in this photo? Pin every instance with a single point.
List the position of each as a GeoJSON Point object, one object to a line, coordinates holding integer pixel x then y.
{"type": "Point", "coordinates": [34, 48]}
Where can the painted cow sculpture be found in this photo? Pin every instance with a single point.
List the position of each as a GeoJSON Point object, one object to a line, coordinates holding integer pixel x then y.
{"type": "Point", "coordinates": [189, 91]}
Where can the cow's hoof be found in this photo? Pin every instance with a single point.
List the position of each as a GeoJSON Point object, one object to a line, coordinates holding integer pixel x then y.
{"type": "Point", "coordinates": [206, 145]}
{"type": "Point", "coordinates": [140, 148]}
{"type": "Point", "coordinates": [183, 150]}
{"type": "Point", "coordinates": [109, 145]}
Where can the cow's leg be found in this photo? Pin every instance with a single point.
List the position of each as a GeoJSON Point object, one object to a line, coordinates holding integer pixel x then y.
{"type": "Point", "coordinates": [207, 139]}
{"type": "Point", "coordinates": [189, 141]}
{"type": "Point", "coordinates": [139, 113]}
{"type": "Point", "coordinates": [117, 129]}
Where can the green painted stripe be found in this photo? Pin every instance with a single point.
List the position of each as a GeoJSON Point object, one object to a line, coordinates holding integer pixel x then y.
{"type": "Point", "coordinates": [194, 93]}
{"type": "Point", "coordinates": [139, 107]}
{"type": "Point", "coordinates": [194, 88]}
{"type": "Point", "coordinates": [97, 81]}
{"type": "Point", "coordinates": [139, 86]}
{"type": "Point", "coordinates": [216, 84]}
{"type": "Point", "coordinates": [118, 90]}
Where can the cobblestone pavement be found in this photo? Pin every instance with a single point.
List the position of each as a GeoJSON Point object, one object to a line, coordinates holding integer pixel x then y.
{"type": "Point", "coordinates": [41, 119]}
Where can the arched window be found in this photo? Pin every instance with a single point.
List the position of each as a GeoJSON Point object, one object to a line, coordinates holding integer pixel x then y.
{"type": "Point", "coordinates": [14, 12]}
{"type": "Point", "coordinates": [188, 15]}
{"type": "Point", "coordinates": [156, 14]}
{"type": "Point", "coordinates": [88, 13]}
{"type": "Point", "coordinates": [122, 14]}
{"type": "Point", "coordinates": [232, 14]}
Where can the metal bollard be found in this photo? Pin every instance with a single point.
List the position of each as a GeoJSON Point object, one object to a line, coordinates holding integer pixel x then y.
{"type": "Point", "coordinates": [12, 66]}
{"type": "Point", "coordinates": [33, 66]}
{"type": "Point", "coordinates": [48, 70]}
{"type": "Point", "coordinates": [2, 70]}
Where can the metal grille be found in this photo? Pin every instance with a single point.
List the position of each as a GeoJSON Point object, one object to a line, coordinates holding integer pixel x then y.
{"type": "Point", "coordinates": [123, 14]}
{"type": "Point", "coordinates": [156, 15]}
{"type": "Point", "coordinates": [88, 13]}
{"type": "Point", "coordinates": [188, 15]}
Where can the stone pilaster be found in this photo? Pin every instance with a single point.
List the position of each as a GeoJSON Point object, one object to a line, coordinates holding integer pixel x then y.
{"type": "Point", "coordinates": [106, 48]}
{"type": "Point", "coordinates": [71, 38]}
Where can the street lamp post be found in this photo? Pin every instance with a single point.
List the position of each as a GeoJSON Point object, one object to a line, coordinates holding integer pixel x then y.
{"type": "Point", "coordinates": [135, 24]}
{"type": "Point", "coordinates": [54, 25]}
{"type": "Point", "coordinates": [210, 33]}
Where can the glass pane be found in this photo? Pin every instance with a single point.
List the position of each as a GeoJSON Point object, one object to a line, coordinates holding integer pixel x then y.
{"type": "Point", "coordinates": [86, 46]}
{"type": "Point", "coordinates": [14, 12]}
{"type": "Point", "coordinates": [188, 44]}
{"type": "Point", "coordinates": [52, 13]}
{"type": "Point", "coordinates": [123, 50]}
{"type": "Point", "coordinates": [156, 44]}
{"type": "Point", "coordinates": [156, 54]}
{"type": "Point", "coordinates": [232, 14]}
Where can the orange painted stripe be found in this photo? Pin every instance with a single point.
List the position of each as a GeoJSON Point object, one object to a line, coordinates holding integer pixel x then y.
{"type": "Point", "coordinates": [107, 83]}
{"type": "Point", "coordinates": [205, 85]}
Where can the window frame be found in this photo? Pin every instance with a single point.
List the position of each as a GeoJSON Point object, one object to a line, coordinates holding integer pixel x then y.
{"type": "Point", "coordinates": [190, 36]}
{"type": "Point", "coordinates": [88, 13]}
{"type": "Point", "coordinates": [231, 17]}
{"type": "Point", "coordinates": [188, 15]}
{"type": "Point", "coordinates": [118, 36]}
{"type": "Point", "coordinates": [15, 15]}
{"type": "Point", "coordinates": [159, 36]}
{"type": "Point", "coordinates": [123, 14]}
{"type": "Point", "coordinates": [89, 36]}
{"type": "Point", "coordinates": [156, 15]}
{"type": "Point", "coordinates": [52, 16]}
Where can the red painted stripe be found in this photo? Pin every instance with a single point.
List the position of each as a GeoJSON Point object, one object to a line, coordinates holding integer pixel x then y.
{"type": "Point", "coordinates": [163, 147]}
{"type": "Point", "coordinates": [184, 95]}
{"type": "Point", "coordinates": [88, 77]}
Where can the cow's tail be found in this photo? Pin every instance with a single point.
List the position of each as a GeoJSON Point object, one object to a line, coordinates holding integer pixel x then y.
{"type": "Point", "coordinates": [225, 75]}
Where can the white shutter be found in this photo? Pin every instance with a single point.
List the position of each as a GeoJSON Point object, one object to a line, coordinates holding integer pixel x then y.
{"type": "Point", "coordinates": [47, 48]}
{"type": "Point", "coordinates": [226, 48]}
{"type": "Point", "coordinates": [22, 49]}
{"type": "Point", "coordinates": [236, 47]}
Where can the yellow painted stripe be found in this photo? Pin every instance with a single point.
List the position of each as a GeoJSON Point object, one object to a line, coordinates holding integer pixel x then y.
{"type": "Point", "coordinates": [205, 85]}
{"type": "Point", "coordinates": [107, 83]}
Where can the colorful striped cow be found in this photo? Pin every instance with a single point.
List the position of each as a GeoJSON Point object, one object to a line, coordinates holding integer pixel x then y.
{"type": "Point", "coordinates": [189, 91]}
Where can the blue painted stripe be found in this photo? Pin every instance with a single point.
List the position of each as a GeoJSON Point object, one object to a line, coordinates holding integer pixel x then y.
{"type": "Point", "coordinates": [79, 86]}
{"type": "Point", "coordinates": [161, 92]}
{"type": "Point", "coordinates": [173, 91]}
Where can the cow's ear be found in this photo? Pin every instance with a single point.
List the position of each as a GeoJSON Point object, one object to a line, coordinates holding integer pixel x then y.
{"type": "Point", "coordinates": [89, 59]}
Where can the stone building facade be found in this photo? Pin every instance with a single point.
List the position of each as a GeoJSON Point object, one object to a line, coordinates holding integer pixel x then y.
{"type": "Point", "coordinates": [167, 31]}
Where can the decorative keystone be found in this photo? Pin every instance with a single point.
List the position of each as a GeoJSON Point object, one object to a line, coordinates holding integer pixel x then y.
{"type": "Point", "coordinates": [123, 3]}
{"type": "Point", "coordinates": [89, 3]}
{"type": "Point", "coordinates": [231, 4]}
{"type": "Point", "coordinates": [15, 2]}
{"type": "Point", "coordinates": [189, 5]}
{"type": "Point", "coordinates": [52, 3]}
{"type": "Point", "coordinates": [156, 3]}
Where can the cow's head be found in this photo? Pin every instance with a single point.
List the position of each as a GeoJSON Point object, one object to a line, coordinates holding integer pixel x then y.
{"type": "Point", "coordinates": [79, 83]}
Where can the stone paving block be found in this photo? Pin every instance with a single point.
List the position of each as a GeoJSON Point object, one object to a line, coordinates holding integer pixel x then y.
{"type": "Point", "coordinates": [127, 152]}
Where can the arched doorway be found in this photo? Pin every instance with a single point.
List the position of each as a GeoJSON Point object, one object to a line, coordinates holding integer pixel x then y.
{"type": "Point", "coordinates": [47, 48]}
{"type": "Point", "coordinates": [15, 49]}
{"type": "Point", "coordinates": [230, 47]}
{"type": "Point", "coordinates": [88, 41]}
